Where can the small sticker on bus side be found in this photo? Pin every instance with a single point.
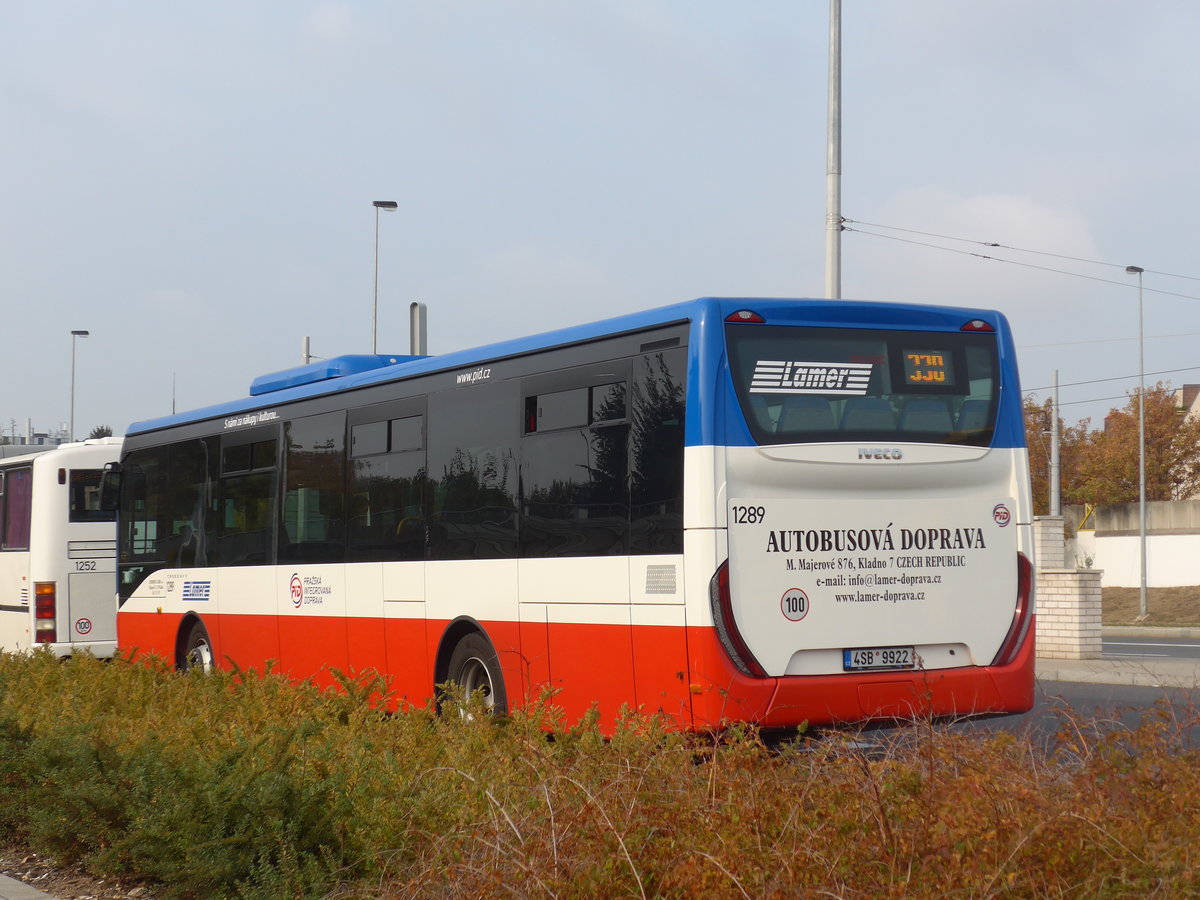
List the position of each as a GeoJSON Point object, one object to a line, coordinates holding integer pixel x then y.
{"type": "Point", "coordinates": [474, 377]}
{"type": "Point", "coordinates": [196, 590]}
{"type": "Point", "coordinates": [794, 604]}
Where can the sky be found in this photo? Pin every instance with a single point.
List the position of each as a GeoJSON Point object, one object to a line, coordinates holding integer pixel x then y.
{"type": "Point", "coordinates": [192, 183]}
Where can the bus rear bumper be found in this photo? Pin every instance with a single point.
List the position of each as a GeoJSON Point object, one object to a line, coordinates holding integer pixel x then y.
{"type": "Point", "coordinates": [98, 649]}
{"type": "Point", "coordinates": [817, 700]}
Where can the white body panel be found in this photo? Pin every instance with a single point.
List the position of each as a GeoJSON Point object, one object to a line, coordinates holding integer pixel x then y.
{"type": "Point", "coordinates": [832, 549]}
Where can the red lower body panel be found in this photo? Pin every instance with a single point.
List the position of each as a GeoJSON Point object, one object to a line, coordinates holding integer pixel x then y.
{"type": "Point", "coordinates": [682, 674]}
{"type": "Point", "coordinates": [725, 695]}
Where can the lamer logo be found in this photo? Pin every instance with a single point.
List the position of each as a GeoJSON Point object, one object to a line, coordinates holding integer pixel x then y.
{"type": "Point", "coordinates": [880, 453]}
{"type": "Point", "coordinates": [780, 376]}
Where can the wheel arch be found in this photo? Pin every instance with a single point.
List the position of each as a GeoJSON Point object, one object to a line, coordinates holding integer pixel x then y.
{"type": "Point", "coordinates": [186, 624]}
{"type": "Point", "coordinates": [455, 632]}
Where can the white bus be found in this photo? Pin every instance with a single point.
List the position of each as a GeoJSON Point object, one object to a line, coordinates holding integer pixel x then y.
{"type": "Point", "coordinates": [58, 558]}
{"type": "Point", "coordinates": [771, 511]}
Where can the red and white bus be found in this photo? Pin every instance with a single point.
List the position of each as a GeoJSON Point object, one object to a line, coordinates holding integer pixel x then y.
{"type": "Point", "coordinates": [767, 511]}
{"type": "Point", "coordinates": [58, 557]}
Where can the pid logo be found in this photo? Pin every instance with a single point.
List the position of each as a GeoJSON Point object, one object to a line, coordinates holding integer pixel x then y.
{"type": "Point", "coordinates": [794, 604]}
{"type": "Point", "coordinates": [1001, 515]}
{"type": "Point", "coordinates": [297, 591]}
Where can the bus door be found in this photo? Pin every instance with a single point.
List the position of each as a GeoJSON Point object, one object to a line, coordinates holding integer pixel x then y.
{"type": "Point", "coordinates": [574, 568]}
{"type": "Point", "coordinates": [656, 534]}
{"type": "Point", "coordinates": [311, 586]}
{"type": "Point", "coordinates": [385, 539]}
{"type": "Point", "coordinates": [91, 563]}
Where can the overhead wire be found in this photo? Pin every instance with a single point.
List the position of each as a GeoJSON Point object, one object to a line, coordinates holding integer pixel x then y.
{"type": "Point", "coordinates": [999, 246]}
{"type": "Point", "coordinates": [1013, 262]}
{"type": "Point", "coordinates": [1149, 337]}
{"type": "Point", "coordinates": [1113, 378]}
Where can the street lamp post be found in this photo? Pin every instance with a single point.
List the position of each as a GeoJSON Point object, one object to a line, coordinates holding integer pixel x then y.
{"type": "Point", "coordinates": [74, 335]}
{"type": "Point", "coordinates": [833, 158]}
{"type": "Point", "coordinates": [1142, 608]}
{"type": "Point", "coordinates": [388, 205]}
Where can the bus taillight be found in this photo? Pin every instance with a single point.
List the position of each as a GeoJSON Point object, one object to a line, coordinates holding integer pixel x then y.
{"type": "Point", "coordinates": [45, 612]}
{"type": "Point", "coordinates": [745, 315]}
{"type": "Point", "coordinates": [977, 325]}
{"type": "Point", "coordinates": [731, 639]}
{"type": "Point", "coordinates": [1022, 616]}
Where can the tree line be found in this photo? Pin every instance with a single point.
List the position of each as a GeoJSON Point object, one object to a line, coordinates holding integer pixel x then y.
{"type": "Point", "coordinates": [1100, 466]}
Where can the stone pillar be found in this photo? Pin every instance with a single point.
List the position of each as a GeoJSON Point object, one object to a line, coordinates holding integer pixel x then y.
{"type": "Point", "coordinates": [1049, 542]}
{"type": "Point", "coordinates": [1068, 613]}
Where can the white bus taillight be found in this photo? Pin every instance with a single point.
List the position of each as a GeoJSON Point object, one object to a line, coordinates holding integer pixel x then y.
{"type": "Point", "coordinates": [731, 639]}
{"type": "Point", "coordinates": [1022, 615]}
{"type": "Point", "coordinates": [45, 612]}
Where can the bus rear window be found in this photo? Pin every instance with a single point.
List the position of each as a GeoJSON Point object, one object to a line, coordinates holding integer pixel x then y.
{"type": "Point", "coordinates": [798, 384]}
{"type": "Point", "coordinates": [85, 497]}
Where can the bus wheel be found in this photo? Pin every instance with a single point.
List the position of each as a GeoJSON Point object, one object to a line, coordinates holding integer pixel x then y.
{"type": "Point", "coordinates": [197, 651]}
{"type": "Point", "coordinates": [474, 667]}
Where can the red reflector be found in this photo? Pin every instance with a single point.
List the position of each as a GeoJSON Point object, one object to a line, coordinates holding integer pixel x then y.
{"type": "Point", "coordinates": [977, 325]}
{"type": "Point", "coordinates": [745, 315]}
{"type": "Point", "coordinates": [727, 631]}
{"type": "Point", "coordinates": [1022, 614]}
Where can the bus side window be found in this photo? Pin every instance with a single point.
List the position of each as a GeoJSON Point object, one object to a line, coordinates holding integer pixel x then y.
{"type": "Point", "coordinates": [473, 440]}
{"type": "Point", "coordinates": [656, 453]}
{"type": "Point", "coordinates": [314, 502]}
{"type": "Point", "coordinates": [245, 527]}
{"type": "Point", "coordinates": [386, 514]}
{"type": "Point", "coordinates": [18, 509]}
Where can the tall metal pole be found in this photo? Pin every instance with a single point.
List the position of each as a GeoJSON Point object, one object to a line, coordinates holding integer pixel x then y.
{"type": "Point", "coordinates": [71, 427]}
{"type": "Point", "coordinates": [1142, 608]}
{"type": "Point", "coordinates": [1055, 468]}
{"type": "Point", "coordinates": [388, 205]}
{"type": "Point", "coordinates": [833, 168]}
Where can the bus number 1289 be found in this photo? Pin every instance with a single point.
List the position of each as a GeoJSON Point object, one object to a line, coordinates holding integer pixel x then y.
{"type": "Point", "coordinates": [748, 515]}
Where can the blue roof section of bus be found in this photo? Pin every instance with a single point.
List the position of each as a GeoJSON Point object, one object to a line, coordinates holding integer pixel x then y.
{"type": "Point", "coordinates": [725, 425]}
{"type": "Point", "coordinates": [323, 370]}
{"type": "Point", "coordinates": [459, 359]}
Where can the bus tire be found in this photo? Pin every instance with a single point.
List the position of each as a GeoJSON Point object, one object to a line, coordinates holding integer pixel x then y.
{"type": "Point", "coordinates": [197, 650]}
{"type": "Point", "coordinates": [474, 666]}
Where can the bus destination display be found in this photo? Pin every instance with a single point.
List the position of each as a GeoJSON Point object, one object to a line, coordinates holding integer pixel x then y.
{"type": "Point", "coordinates": [931, 367]}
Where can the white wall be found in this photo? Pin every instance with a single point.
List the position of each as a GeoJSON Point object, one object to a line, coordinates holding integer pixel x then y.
{"type": "Point", "coordinates": [1172, 560]}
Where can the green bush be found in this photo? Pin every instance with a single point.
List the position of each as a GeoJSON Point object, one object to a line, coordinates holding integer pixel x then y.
{"type": "Point", "coordinates": [245, 785]}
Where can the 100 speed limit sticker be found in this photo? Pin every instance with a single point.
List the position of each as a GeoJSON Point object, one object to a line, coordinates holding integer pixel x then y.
{"type": "Point", "coordinates": [794, 604]}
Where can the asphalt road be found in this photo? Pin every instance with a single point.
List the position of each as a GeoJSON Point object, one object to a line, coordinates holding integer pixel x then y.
{"type": "Point", "coordinates": [1124, 646]}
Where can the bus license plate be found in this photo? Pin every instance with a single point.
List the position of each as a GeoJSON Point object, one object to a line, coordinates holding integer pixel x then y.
{"type": "Point", "coordinates": [877, 658]}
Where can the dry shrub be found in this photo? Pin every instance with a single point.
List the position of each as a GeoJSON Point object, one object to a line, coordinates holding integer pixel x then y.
{"type": "Point", "coordinates": [246, 785]}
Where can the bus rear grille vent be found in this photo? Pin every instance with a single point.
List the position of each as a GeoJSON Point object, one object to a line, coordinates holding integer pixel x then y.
{"type": "Point", "coordinates": [660, 579]}
{"type": "Point", "coordinates": [92, 549]}
{"type": "Point", "coordinates": [24, 595]}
